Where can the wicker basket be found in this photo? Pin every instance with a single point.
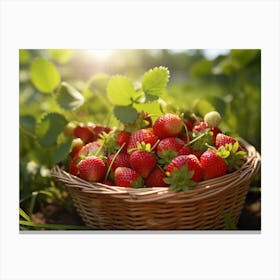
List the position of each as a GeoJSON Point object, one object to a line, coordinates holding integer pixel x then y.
{"type": "Point", "coordinates": [202, 208]}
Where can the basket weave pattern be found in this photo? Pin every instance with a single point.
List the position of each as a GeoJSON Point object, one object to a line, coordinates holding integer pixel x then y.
{"type": "Point", "coordinates": [201, 208]}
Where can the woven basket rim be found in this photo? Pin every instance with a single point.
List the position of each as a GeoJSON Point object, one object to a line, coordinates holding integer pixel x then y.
{"type": "Point", "coordinates": [245, 173]}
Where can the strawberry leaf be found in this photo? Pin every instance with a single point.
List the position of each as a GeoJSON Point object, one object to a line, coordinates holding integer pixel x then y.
{"type": "Point", "coordinates": [49, 127]}
{"type": "Point", "coordinates": [125, 114]}
{"type": "Point", "coordinates": [154, 82]}
{"type": "Point", "coordinates": [44, 75]}
{"type": "Point", "coordinates": [69, 98]}
{"type": "Point", "coordinates": [120, 91]}
{"type": "Point", "coordinates": [62, 150]}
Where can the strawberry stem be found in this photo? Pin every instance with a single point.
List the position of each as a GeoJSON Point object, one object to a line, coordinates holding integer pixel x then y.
{"type": "Point", "coordinates": [114, 158]}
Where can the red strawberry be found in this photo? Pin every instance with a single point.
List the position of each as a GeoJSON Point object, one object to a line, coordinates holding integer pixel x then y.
{"type": "Point", "coordinates": [185, 150]}
{"type": "Point", "coordinates": [142, 162]}
{"type": "Point", "coordinates": [168, 125]}
{"type": "Point", "coordinates": [92, 169]}
{"type": "Point", "coordinates": [145, 135]}
{"type": "Point", "coordinates": [155, 179]}
{"type": "Point", "coordinates": [127, 177]}
{"type": "Point", "coordinates": [200, 126]}
{"type": "Point", "coordinates": [90, 149]}
{"type": "Point", "coordinates": [77, 144]}
{"type": "Point", "coordinates": [123, 137]}
{"type": "Point", "coordinates": [191, 162]}
{"type": "Point", "coordinates": [73, 168]}
{"type": "Point", "coordinates": [215, 131]}
{"type": "Point", "coordinates": [222, 140]}
{"type": "Point", "coordinates": [83, 132]}
{"type": "Point", "coordinates": [182, 172]}
{"type": "Point", "coordinates": [121, 160]}
{"type": "Point", "coordinates": [212, 164]}
{"type": "Point", "coordinates": [169, 148]}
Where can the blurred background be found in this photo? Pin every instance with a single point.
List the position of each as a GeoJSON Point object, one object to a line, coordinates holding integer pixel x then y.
{"type": "Point", "coordinates": [226, 80]}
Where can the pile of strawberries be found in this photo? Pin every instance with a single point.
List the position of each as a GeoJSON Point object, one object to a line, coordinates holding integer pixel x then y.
{"type": "Point", "coordinates": [174, 151]}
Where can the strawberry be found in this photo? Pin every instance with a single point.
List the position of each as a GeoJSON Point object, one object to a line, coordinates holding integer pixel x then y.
{"type": "Point", "coordinates": [183, 172]}
{"type": "Point", "coordinates": [167, 125]}
{"type": "Point", "coordinates": [200, 126]}
{"type": "Point", "coordinates": [145, 135]}
{"type": "Point", "coordinates": [92, 169]}
{"type": "Point", "coordinates": [215, 131]}
{"type": "Point", "coordinates": [123, 137]}
{"type": "Point", "coordinates": [121, 160]}
{"type": "Point", "coordinates": [169, 148]}
{"type": "Point", "coordinates": [89, 132]}
{"type": "Point", "coordinates": [212, 164]}
{"type": "Point", "coordinates": [143, 162]}
{"type": "Point", "coordinates": [127, 177]}
{"type": "Point", "coordinates": [83, 132]}
{"type": "Point", "coordinates": [77, 144]}
{"type": "Point", "coordinates": [155, 179]}
{"type": "Point", "coordinates": [73, 168]}
{"type": "Point", "coordinates": [222, 140]}
{"type": "Point", "coordinates": [213, 119]}
{"type": "Point", "coordinates": [185, 150]}
{"type": "Point", "coordinates": [191, 162]}
{"type": "Point", "coordinates": [90, 149]}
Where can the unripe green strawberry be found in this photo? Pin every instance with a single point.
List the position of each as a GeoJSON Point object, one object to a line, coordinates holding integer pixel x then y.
{"type": "Point", "coordinates": [167, 125]}
{"type": "Point", "coordinates": [127, 177]}
{"type": "Point", "coordinates": [92, 169]}
{"type": "Point", "coordinates": [142, 162]}
{"type": "Point", "coordinates": [213, 118]}
{"type": "Point", "coordinates": [212, 164]}
{"type": "Point", "coordinates": [155, 179]}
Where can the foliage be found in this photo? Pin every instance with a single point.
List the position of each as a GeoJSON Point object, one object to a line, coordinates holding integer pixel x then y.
{"type": "Point", "coordinates": [56, 88]}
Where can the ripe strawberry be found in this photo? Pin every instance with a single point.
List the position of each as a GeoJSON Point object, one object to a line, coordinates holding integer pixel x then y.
{"type": "Point", "coordinates": [168, 125]}
{"type": "Point", "coordinates": [121, 160]}
{"type": "Point", "coordinates": [212, 164]}
{"type": "Point", "coordinates": [142, 162]}
{"type": "Point", "coordinates": [83, 132]}
{"type": "Point", "coordinates": [92, 169]}
{"type": "Point", "coordinates": [73, 168]}
{"type": "Point", "coordinates": [90, 149]}
{"type": "Point", "coordinates": [169, 148]}
{"type": "Point", "coordinates": [123, 137]}
{"type": "Point", "coordinates": [185, 150]}
{"type": "Point", "coordinates": [183, 171]}
{"type": "Point", "coordinates": [222, 140]}
{"type": "Point", "coordinates": [215, 131]}
{"type": "Point", "coordinates": [199, 126]}
{"type": "Point", "coordinates": [191, 162]}
{"type": "Point", "coordinates": [77, 144]}
{"type": "Point", "coordinates": [155, 179]}
{"type": "Point", "coordinates": [145, 135]}
{"type": "Point", "coordinates": [127, 177]}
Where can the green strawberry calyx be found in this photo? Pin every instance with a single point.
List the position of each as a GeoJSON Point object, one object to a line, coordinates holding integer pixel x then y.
{"type": "Point", "coordinates": [233, 157]}
{"type": "Point", "coordinates": [180, 179]}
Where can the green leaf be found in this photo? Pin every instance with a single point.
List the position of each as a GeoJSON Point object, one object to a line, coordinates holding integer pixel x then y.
{"type": "Point", "coordinates": [44, 75]}
{"type": "Point", "coordinates": [24, 56]}
{"type": "Point", "coordinates": [62, 150]}
{"type": "Point", "coordinates": [49, 128]}
{"type": "Point", "coordinates": [125, 114]}
{"type": "Point", "coordinates": [155, 80]}
{"type": "Point", "coordinates": [120, 91]}
{"type": "Point", "coordinates": [28, 122]}
{"type": "Point", "coordinates": [69, 98]}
